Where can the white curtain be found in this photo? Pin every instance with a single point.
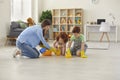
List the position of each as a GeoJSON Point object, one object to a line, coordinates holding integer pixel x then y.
{"type": "Point", "coordinates": [20, 9]}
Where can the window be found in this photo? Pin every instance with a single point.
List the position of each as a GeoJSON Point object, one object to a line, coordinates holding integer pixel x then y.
{"type": "Point", "coordinates": [20, 9]}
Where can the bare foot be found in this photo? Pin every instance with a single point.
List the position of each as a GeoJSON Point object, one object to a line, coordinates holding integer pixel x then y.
{"type": "Point", "coordinates": [17, 52]}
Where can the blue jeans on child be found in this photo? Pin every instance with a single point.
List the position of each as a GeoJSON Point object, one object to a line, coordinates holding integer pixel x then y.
{"type": "Point", "coordinates": [27, 50]}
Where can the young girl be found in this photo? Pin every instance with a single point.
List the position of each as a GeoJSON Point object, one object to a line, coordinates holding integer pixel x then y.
{"type": "Point", "coordinates": [79, 45]}
{"type": "Point", "coordinates": [60, 42]}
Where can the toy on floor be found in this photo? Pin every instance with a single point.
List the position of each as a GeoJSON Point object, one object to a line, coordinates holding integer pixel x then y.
{"type": "Point", "coordinates": [68, 53]}
{"type": "Point", "coordinates": [45, 52]}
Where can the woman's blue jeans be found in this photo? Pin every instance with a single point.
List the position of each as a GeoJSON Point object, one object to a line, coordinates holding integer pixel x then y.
{"type": "Point", "coordinates": [27, 50]}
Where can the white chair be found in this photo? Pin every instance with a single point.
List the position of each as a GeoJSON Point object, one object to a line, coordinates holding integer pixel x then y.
{"type": "Point", "coordinates": [104, 28]}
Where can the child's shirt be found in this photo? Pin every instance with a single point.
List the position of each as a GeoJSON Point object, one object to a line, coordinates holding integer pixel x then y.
{"type": "Point", "coordinates": [80, 38]}
{"type": "Point", "coordinates": [76, 45]}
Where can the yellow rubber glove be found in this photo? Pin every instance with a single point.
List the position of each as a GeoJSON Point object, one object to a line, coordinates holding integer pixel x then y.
{"type": "Point", "coordinates": [57, 52]}
{"type": "Point", "coordinates": [68, 53]}
{"type": "Point", "coordinates": [83, 54]}
{"type": "Point", "coordinates": [52, 49]}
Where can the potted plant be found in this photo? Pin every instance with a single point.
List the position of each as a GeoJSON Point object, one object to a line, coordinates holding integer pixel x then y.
{"type": "Point", "coordinates": [45, 15]}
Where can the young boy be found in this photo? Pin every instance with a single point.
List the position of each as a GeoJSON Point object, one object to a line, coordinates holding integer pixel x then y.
{"type": "Point", "coordinates": [79, 47]}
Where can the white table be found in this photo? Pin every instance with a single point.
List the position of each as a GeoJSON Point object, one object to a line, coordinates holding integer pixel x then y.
{"type": "Point", "coordinates": [95, 28]}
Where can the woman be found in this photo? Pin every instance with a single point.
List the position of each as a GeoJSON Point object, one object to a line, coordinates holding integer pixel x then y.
{"type": "Point", "coordinates": [30, 38]}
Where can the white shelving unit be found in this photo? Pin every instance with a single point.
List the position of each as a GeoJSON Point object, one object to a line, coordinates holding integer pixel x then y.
{"type": "Point", "coordinates": [63, 20]}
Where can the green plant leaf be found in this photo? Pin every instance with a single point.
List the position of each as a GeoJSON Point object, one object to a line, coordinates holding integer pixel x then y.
{"type": "Point", "coordinates": [45, 15]}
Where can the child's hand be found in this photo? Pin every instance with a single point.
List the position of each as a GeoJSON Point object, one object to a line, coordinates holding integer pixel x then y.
{"type": "Point", "coordinates": [68, 53]}
{"type": "Point", "coordinates": [83, 54]}
{"type": "Point", "coordinates": [52, 49]}
{"type": "Point", "coordinates": [56, 51]}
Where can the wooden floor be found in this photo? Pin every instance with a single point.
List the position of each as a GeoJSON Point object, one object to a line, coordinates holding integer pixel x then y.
{"type": "Point", "coordinates": [100, 65]}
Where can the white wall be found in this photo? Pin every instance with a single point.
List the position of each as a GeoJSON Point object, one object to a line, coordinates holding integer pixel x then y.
{"type": "Point", "coordinates": [40, 7]}
{"type": "Point", "coordinates": [4, 19]}
{"type": "Point", "coordinates": [26, 8]}
{"type": "Point", "coordinates": [5, 16]}
{"type": "Point", "coordinates": [37, 8]}
{"type": "Point", "coordinates": [92, 12]}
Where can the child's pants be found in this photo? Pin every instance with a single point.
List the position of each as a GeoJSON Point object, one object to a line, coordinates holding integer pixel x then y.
{"type": "Point", "coordinates": [77, 47]}
{"type": "Point", "coordinates": [27, 50]}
